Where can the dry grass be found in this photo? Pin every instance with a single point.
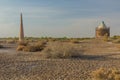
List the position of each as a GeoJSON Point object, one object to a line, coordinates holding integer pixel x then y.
{"type": "Point", "coordinates": [61, 50]}
{"type": "Point", "coordinates": [10, 41]}
{"type": "Point", "coordinates": [116, 41]}
{"type": "Point", "coordinates": [32, 66]}
{"type": "Point", "coordinates": [20, 48]}
{"type": "Point", "coordinates": [39, 46]}
{"type": "Point", "coordinates": [106, 74]}
{"type": "Point", "coordinates": [31, 48]}
{"type": "Point", "coordinates": [24, 43]}
{"type": "Point", "coordinates": [74, 41]}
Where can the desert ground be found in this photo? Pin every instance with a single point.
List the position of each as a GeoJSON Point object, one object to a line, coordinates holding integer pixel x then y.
{"type": "Point", "coordinates": [94, 54]}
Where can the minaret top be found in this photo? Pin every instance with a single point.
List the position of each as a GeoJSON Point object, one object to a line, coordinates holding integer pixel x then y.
{"type": "Point", "coordinates": [102, 25]}
{"type": "Point", "coordinates": [21, 14]}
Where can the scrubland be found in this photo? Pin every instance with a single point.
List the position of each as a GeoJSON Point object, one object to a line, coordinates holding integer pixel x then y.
{"type": "Point", "coordinates": [60, 59]}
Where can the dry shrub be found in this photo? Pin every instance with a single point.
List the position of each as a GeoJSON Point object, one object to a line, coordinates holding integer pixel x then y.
{"type": "Point", "coordinates": [10, 41]}
{"type": "Point", "coordinates": [1, 46]}
{"type": "Point", "coordinates": [74, 41]}
{"type": "Point", "coordinates": [116, 41]}
{"type": "Point", "coordinates": [23, 43]}
{"type": "Point", "coordinates": [106, 74]}
{"type": "Point", "coordinates": [2, 41]}
{"type": "Point", "coordinates": [39, 46]}
{"type": "Point", "coordinates": [61, 50]}
{"type": "Point", "coordinates": [20, 48]}
{"type": "Point", "coordinates": [29, 49]}
{"type": "Point", "coordinates": [52, 39]}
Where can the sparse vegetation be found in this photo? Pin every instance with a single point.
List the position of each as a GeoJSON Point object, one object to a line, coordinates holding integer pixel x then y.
{"type": "Point", "coordinates": [34, 48]}
{"type": "Point", "coordinates": [57, 59]}
{"type": "Point", "coordinates": [23, 43]}
{"type": "Point", "coordinates": [106, 74]}
{"type": "Point", "coordinates": [74, 41]}
{"type": "Point", "coordinates": [61, 50]}
{"type": "Point", "coordinates": [1, 46]}
{"type": "Point", "coordinates": [116, 41]}
{"type": "Point", "coordinates": [115, 37]}
{"type": "Point", "coordinates": [20, 48]}
{"type": "Point", "coordinates": [10, 41]}
{"type": "Point", "coordinates": [31, 48]}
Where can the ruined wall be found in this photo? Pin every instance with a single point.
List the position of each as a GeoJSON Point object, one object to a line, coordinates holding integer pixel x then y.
{"type": "Point", "coordinates": [102, 32]}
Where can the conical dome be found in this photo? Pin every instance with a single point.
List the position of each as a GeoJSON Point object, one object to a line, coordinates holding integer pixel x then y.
{"type": "Point", "coordinates": [102, 25]}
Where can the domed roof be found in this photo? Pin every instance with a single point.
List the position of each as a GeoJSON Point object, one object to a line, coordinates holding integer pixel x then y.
{"type": "Point", "coordinates": [102, 25]}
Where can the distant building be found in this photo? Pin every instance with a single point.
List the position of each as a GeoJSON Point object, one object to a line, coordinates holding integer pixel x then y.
{"type": "Point", "coordinates": [102, 30]}
{"type": "Point", "coordinates": [21, 35]}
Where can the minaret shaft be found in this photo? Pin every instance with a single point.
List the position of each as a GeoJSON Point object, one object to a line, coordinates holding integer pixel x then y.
{"type": "Point", "coordinates": [21, 36]}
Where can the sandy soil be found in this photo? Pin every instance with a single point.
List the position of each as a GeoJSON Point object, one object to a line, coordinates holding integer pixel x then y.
{"type": "Point", "coordinates": [16, 65]}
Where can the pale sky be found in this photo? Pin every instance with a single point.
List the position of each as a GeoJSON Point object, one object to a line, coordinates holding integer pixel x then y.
{"type": "Point", "coordinates": [58, 18]}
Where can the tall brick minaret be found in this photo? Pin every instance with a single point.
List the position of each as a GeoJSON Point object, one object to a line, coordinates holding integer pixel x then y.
{"type": "Point", "coordinates": [21, 35]}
